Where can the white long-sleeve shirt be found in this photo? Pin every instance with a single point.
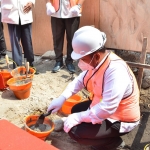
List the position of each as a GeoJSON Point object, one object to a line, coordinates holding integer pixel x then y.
{"type": "Point", "coordinates": [117, 85]}
{"type": "Point", "coordinates": [12, 10]}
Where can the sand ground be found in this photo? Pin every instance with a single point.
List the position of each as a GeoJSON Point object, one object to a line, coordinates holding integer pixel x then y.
{"type": "Point", "coordinates": [47, 86]}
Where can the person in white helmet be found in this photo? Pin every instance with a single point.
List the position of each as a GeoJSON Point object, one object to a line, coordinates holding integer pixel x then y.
{"type": "Point", "coordinates": [113, 109]}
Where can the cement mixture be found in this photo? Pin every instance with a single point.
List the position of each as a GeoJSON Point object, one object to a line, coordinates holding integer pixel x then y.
{"type": "Point", "coordinates": [47, 86]}
{"type": "Point", "coordinates": [41, 127]}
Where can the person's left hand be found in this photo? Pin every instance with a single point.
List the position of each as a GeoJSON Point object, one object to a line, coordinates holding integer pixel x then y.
{"type": "Point", "coordinates": [75, 10]}
{"type": "Point", "coordinates": [75, 119]}
{"type": "Point", "coordinates": [27, 7]}
{"type": "Point", "coordinates": [50, 9]}
{"type": "Point", "coordinates": [71, 121]}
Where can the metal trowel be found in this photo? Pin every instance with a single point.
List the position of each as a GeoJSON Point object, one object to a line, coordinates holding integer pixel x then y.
{"type": "Point", "coordinates": [41, 118]}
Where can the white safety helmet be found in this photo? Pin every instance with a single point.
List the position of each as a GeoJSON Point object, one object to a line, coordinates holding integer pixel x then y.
{"type": "Point", "coordinates": [87, 40]}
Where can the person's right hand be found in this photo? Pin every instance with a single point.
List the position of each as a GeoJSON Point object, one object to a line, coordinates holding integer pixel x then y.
{"type": "Point", "coordinates": [56, 104]}
{"type": "Point", "coordinates": [50, 9]}
{"type": "Point", "coordinates": [27, 7]}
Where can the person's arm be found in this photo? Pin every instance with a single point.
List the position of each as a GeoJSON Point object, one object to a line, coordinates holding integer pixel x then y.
{"type": "Point", "coordinates": [28, 6]}
{"type": "Point", "coordinates": [49, 8]}
{"type": "Point", "coordinates": [76, 10]}
{"type": "Point", "coordinates": [75, 86]}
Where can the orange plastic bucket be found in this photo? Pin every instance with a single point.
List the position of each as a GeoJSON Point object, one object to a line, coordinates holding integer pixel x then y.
{"type": "Point", "coordinates": [20, 86]}
{"type": "Point", "coordinates": [2, 84]}
{"type": "Point", "coordinates": [21, 71]}
{"type": "Point", "coordinates": [69, 103]}
{"type": "Point", "coordinates": [6, 76]}
{"type": "Point", "coordinates": [31, 120]}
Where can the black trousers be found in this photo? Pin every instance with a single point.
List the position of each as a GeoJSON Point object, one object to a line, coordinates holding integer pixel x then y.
{"type": "Point", "coordinates": [103, 136]}
{"type": "Point", "coordinates": [23, 33]}
{"type": "Point", "coordinates": [59, 27]}
{"type": "Point", "coordinates": [2, 39]}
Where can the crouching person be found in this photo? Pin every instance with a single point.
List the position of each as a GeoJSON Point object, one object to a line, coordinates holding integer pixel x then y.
{"type": "Point", "coordinates": [113, 110]}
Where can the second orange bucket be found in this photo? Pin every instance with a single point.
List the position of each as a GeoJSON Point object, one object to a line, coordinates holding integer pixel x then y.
{"type": "Point", "coordinates": [69, 103]}
{"type": "Point", "coordinates": [6, 76]}
{"type": "Point", "coordinates": [20, 86]}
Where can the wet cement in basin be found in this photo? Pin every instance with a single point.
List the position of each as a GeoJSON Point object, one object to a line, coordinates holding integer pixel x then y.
{"type": "Point", "coordinates": [41, 127]}
{"type": "Point", "coordinates": [21, 82]}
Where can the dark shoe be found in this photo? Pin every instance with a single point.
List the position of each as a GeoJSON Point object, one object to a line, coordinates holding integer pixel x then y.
{"type": "Point", "coordinates": [70, 67]}
{"type": "Point", "coordinates": [58, 66]}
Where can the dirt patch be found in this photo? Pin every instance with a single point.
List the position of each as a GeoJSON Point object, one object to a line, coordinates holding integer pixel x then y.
{"type": "Point", "coordinates": [47, 86]}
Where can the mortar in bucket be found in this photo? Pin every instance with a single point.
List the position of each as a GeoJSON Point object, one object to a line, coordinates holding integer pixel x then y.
{"type": "Point", "coordinates": [20, 86]}
{"type": "Point", "coordinates": [69, 103]}
{"type": "Point", "coordinates": [21, 71]}
{"type": "Point", "coordinates": [47, 125]}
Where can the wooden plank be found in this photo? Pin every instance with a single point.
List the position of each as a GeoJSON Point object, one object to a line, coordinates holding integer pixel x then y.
{"type": "Point", "coordinates": [125, 27]}
{"type": "Point", "coordinates": [91, 13]}
{"type": "Point", "coordinates": [142, 60]}
{"type": "Point", "coordinates": [41, 29]}
{"type": "Point", "coordinates": [138, 65]}
{"type": "Point", "coordinates": [125, 23]}
{"type": "Point", "coordinates": [14, 138]}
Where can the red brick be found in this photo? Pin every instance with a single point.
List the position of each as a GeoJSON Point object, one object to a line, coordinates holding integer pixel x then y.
{"type": "Point", "coordinates": [15, 138]}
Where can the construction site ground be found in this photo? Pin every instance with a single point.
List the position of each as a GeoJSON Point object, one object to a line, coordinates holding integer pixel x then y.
{"type": "Point", "coordinates": [48, 85]}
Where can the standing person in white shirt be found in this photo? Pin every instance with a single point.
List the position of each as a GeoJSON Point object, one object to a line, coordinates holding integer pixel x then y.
{"type": "Point", "coordinates": [65, 17]}
{"type": "Point", "coordinates": [18, 15]}
{"type": "Point", "coordinates": [2, 38]}
{"type": "Point", "coordinates": [113, 109]}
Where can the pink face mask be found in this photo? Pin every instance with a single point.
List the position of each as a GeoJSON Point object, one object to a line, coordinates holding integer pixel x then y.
{"type": "Point", "coordinates": [85, 66]}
